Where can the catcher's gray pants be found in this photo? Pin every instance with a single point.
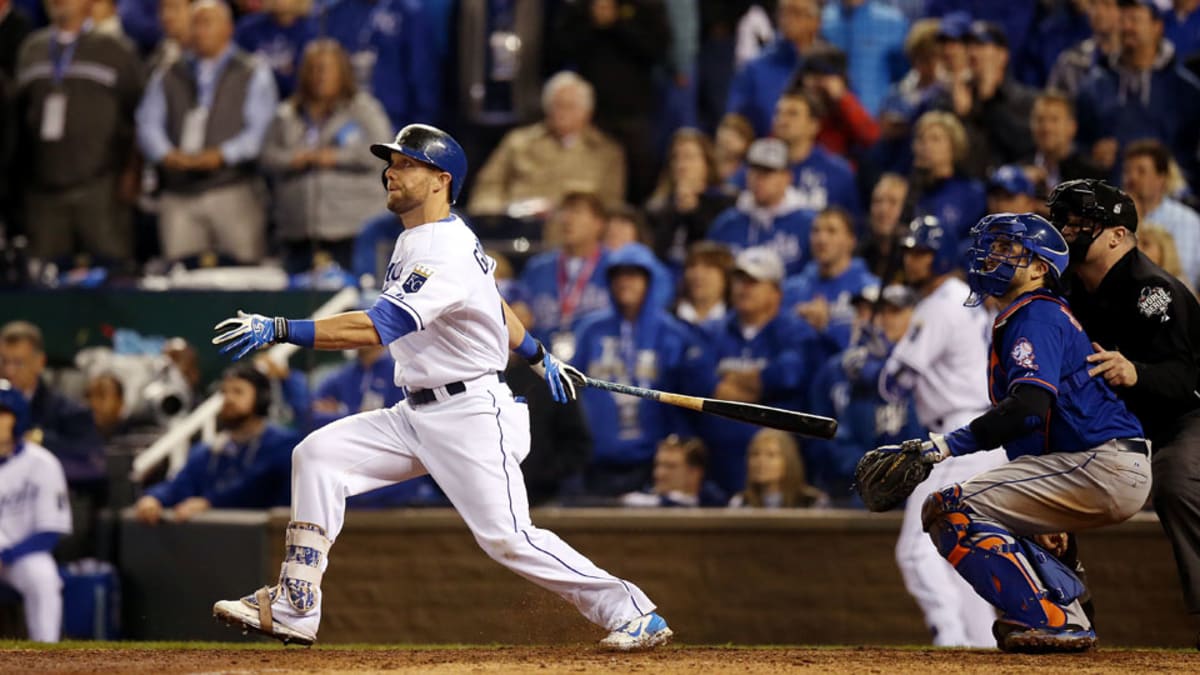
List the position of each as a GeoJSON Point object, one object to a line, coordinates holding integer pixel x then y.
{"type": "Point", "coordinates": [1061, 491]}
{"type": "Point", "coordinates": [1176, 498]}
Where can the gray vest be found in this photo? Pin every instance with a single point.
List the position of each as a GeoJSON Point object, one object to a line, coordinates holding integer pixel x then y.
{"type": "Point", "coordinates": [225, 119]}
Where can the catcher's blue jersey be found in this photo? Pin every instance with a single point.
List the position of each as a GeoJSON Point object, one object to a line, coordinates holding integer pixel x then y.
{"type": "Point", "coordinates": [1036, 340]}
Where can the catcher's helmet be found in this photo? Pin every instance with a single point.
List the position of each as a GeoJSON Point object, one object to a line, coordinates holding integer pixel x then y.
{"type": "Point", "coordinates": [926, 232]}
{"type": "Point", "coordinates": [433, 147]}
{"type": "Point", "coordinates": [990, 269]}
{"type": "Point", "coordinates": [1093, 200]}
{"type": "Point", "coordinates": [14, 402]}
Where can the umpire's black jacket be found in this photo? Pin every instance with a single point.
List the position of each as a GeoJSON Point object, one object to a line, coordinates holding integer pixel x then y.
{"type": "Point", "coordinates": [1154, 321]}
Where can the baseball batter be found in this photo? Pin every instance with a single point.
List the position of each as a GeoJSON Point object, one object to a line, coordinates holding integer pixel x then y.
{"type": "Point", "coordinates": [450, 333]}
{"type": "Point", "coordinates": [34, 513]}
{"type": "Point", "coordinates": [1080, 460]}
{"type": "Point", "coordinates": [941, 363]}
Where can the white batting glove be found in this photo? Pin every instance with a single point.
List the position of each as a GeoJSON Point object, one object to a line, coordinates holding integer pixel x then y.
{"type": "Point", "coordinates": [561, 377]}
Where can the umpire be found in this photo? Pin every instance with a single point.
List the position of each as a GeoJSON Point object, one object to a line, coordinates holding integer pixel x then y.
{"type": "Point", "coordinates": [1145, 327]}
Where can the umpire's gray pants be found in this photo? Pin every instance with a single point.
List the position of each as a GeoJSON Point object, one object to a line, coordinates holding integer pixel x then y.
{"type": "Point", "coordinates": [1177, 501]}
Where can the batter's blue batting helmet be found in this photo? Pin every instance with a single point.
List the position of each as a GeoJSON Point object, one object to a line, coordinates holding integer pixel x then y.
{"type": "Point", "coordinates": [990, 268]}
{"type": "Point", "coordinates": [433, 147]}
{"type": "Point", "coordinates": [926, 232]}
{"type": "Point", "coordinates": [14, 402]}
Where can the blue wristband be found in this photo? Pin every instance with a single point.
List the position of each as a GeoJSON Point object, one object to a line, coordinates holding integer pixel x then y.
{"type": "Point", "coordinates": [301, 332]}
{"type": "Point", "coordinates": [528, 348]}
{"type": "Point", "coordinates": [962, 441]}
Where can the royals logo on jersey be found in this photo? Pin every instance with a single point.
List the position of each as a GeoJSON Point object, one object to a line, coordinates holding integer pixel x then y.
{"type": "Point", "coordinates": [1022, 354]}
{"type": "Point", "coordinates": [416, 279]}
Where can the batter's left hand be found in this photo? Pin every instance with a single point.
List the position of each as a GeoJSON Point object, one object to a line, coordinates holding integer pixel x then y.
{"type": "Point", "coordinates": [245, 333]}
{"type": "Point", "coordinates": [561, 377]}
{"type": "Point", "coordinates": [1117, 370]}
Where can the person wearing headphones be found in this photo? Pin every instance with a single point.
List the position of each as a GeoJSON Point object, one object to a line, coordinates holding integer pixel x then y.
{"type": "Point", "coordinates": [247, 466]}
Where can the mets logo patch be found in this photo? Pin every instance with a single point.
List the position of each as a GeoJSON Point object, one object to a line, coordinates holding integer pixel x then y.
{"type": "Point", "coordinates": [416, 279]}
{"type": "Point", "coordinates": [1154, 302]}
{"type": "Point", "coordinates": [1022, 354]}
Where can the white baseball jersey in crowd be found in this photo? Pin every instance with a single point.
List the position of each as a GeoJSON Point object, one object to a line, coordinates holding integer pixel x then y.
{"type": "Point", "coordinates": [946, 349]}
{"type": "Point", "coordinates": [33, 499]}
{"type": "Point", "coordinates": [470, 437]}
{"type": "Point", "coordinates": [945, 354]}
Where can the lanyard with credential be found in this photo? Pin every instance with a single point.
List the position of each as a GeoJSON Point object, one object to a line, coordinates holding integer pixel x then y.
{"type": "Point", "coordinates": [570, 291]}
{"type": "Point", "coordinates": [61, 55]}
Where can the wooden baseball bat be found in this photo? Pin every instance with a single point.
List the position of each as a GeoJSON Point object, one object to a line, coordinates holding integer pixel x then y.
{"type": "Point", "coordinates": [810, 426]}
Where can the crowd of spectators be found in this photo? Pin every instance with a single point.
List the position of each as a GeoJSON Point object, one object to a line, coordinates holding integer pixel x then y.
{"type": "Point", "coordinates": [710, 197]}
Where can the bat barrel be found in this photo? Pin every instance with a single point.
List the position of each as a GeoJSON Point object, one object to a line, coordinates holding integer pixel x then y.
{"type": "Point", "coordinates": [804, 424]}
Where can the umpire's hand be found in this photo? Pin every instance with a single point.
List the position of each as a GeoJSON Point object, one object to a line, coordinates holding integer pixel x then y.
{"type": "Point", "coordinates": [1117, 370]}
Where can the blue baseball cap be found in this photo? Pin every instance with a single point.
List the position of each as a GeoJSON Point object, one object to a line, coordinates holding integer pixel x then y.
{"type": "Point", "coordinates": [1011, 179]}
{"type": "Point", "coordinates": [988, 33]}
{"type": "Point", "coordinates": [954, 26]}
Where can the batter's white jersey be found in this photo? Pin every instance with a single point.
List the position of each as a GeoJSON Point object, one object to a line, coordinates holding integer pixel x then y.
{"type": "Point", "coordinates": [33, 495]}
{"type": "Point", "coordinates": [440, 276]}
{"type": "Point", "coordinates": [946, 347]}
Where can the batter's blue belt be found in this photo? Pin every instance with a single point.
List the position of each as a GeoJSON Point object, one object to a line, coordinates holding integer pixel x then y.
{"type": "Point", "coordinates": [419, 397]}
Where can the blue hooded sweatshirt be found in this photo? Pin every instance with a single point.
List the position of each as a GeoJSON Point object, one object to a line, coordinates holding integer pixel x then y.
{"type": "Point", "coordinates": [650, 351]}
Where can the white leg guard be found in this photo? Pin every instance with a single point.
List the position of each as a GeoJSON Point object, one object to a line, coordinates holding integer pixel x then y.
{"type": "Point", "coordinates": [291, 610]}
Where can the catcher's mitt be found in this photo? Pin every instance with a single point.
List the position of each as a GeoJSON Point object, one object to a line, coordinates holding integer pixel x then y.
{"type": "Point", "coordinates": [886, 476]}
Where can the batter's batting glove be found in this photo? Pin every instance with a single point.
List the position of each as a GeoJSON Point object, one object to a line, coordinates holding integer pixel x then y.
{"type": "Point", "coordinates": [249, 332]}
{"type": "Point", "coordinates": [561, 377]}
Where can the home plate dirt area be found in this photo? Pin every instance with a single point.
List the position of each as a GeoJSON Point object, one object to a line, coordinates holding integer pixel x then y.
{"type": "Point", "coordinates": [185, 658]}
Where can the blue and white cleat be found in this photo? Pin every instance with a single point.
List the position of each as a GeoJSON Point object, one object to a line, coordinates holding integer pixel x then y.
{"type": "Point", "coordinates": [645, 632]}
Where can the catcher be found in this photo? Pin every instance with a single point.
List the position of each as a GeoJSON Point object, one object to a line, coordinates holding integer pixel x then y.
{"type": "Point", "coordinates": [1077, 456]}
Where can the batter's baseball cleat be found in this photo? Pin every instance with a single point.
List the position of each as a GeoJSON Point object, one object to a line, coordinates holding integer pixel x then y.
{"type": "Point", "coordinates": [1016, 638]}
{"type": "Point", "coordinates": [645, 632]}
{"type": "Point", "coordinates": [258, 612]}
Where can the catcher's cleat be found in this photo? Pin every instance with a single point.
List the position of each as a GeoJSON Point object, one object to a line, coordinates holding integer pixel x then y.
{"type": "Point", "coordinates": [645, 632]}
{"type": "Point", "coordinates": [1016, 638]}
{"type": "Point", "coordinates": [256, 613]}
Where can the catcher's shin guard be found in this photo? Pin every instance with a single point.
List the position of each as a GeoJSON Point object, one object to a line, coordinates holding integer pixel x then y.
{"type": "Point", "coordinates": [1031, 587]}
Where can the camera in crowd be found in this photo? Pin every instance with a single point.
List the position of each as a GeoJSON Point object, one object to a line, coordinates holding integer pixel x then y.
{"type": "Point", "coordinates": [155, 390]}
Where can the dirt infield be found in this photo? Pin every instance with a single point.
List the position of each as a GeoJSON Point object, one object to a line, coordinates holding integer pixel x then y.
{"type": "Point", "coordinates": [676, 659]}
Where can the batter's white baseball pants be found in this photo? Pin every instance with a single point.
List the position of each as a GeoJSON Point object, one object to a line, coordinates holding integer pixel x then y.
{"type": "Point", "coordinates": [472, 444]}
